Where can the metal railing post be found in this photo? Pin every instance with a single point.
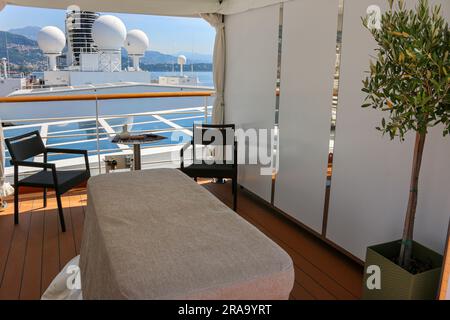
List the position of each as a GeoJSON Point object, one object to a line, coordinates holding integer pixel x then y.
{"type": "Point", "coordinates": [206, 109]}
{"type": "Point", "coordinates": [97, 122]}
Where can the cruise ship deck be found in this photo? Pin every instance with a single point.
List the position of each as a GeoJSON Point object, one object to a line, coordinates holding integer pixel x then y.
{"type": "Point", "coordinates": [33, 252]}
{"type": "Point", "coordinates": [321, 197]}
{"type": "Point", "coordinates": [83, 133]}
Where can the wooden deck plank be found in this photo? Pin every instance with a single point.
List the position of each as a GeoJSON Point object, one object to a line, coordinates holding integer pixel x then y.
{"type": "Point", "coordinates": [12, 276]}
{"type": "Point", "coordinates": [300, 293]}
{"type": "Point", "coordinates": [314, 272]}
{"type": "Point", "coordinates": [77, 217]}
{"type": "Point", "coordinates": [31, 282]}
{"type": "Point", "coordinates": [314, 280]}
{"type": "Point", "coordinates": [50, 252]}
{"type": "Point", "coordinates": [322, 279]}
{"type": "Point", "coordinates": [339, 272]}
{"type": "Point", "coordinates": [333, 266]}
{"type": "Point", "coordinates": [314, 288]}
{"type": "Point", "coordinates": [328, 261]}
{"type": "Point", "coordinates": [67, 248]}
{"type": "Point", "coordinates": [6, 237]}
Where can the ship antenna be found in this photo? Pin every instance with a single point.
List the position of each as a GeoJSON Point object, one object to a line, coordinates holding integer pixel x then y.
{"type": "Point", "coordinates": [7, 53]}
{"type": "Point", "coordinates": [192, 65]}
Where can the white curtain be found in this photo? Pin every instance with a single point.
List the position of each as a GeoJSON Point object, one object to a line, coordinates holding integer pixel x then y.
{"type": "Point", "coordinates": [229, 7]}
{"type": "Point", "coordinates": [216, 21]}
{"type": "Point", "coordinates": [155, 7]}
{"type": "Point", "coordinates": [158, 7]}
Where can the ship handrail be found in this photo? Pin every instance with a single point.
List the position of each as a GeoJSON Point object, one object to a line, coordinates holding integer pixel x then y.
{"type": "Point", "coordinates": [107, 135]}
{"type": "Point", "coordinates": [108, 96]}
{"type": "Point", "coordinates": [106, 116]}
{"type": "Point", "coordinates": [204, 109]}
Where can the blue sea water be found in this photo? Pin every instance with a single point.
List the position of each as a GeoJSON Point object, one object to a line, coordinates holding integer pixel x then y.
{"type": "Point", "coordinates": [59, 134]}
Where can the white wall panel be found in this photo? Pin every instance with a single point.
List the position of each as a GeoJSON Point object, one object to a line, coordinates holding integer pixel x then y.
{"type": "Point", "coordinates": [370, 185]}
{"type": "Point", "coordinates": [252, 44]}
{"type": "Point", "coordinates": [308, 61]}
{"type": "Point", "coordinates": [433, 210]}
{"type": "Point", "coordinates": [371, 173]}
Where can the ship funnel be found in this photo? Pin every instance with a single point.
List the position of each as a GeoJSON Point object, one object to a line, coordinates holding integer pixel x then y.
{"type": "Point", "coordinates": [181, 61]}
{"type": "Point", "coordinates": [136, 44]}
{"type": "Point", "coordinates": [52, 41]}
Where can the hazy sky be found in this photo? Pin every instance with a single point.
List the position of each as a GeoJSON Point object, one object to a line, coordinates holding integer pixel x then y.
{"type": "Point", "coordinates": [167, 34]}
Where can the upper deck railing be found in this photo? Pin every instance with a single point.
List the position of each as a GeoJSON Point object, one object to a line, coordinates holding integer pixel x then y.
{"type": "Point", "coordinates": [111, 96]}
{"type": "Point", "coordinates": [102, 130]}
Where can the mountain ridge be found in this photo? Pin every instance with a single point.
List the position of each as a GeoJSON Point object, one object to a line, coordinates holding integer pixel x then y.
{"type": "Point", "coordinates": [25, 56]}
{"type": "Point", "coordinates": [150, 57]}
{"type": "Point", "coordinates": [30, 32]}
{"type": "Point", "coordinates": [23, 53]}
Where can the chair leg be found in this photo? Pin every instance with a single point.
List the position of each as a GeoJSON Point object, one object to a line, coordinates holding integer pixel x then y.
{"type": "Point", "coordinates": [16, 204]}
{"type": "Point", "coordinates": [45, 197]}
{"type": "Point", "coordinates": [195, 179]}
{"type": "Point", "coordinates": [235, 192]}
{"type": "Point", "coordinates": [60, 212]}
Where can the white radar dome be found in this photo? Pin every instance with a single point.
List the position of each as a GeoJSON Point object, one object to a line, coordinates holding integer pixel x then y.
{"type": "Point", "coordinates": [109, 32]}
{"type": "Point", "coordinates": [136, 42]}
{"type": "Point", "coordinates": [51, 40]}
{"type": "Point", "coordinates": [182, 59]}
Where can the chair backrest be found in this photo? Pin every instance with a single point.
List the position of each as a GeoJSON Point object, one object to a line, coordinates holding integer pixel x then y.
{"type": "Point", "coordinates": [25, 146]}
{"type": "Point", "coordinates": [209, 132]}
{"type": "Point", "coordinates": [207, 135]}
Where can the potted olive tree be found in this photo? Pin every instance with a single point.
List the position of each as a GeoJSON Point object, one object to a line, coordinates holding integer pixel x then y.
{"type": "Point", "coordinates": [409, 80]}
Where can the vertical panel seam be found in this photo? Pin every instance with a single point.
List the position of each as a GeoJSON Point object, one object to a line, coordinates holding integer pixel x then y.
{"type": "Point", "coordinates": [333, 121]}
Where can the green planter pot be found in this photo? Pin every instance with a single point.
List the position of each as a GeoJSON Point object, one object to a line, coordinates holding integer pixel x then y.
{"type": "Point", "coordinates": [396, 282]}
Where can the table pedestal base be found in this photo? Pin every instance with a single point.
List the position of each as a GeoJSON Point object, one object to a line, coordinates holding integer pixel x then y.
{"type": "Point", "coordinates": [137, 157]}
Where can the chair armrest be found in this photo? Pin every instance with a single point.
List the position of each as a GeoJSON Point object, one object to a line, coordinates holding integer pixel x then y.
{"type": "Point", "coordinates": [235, 153]}
{"type": "Point", "coordinates": [34, 164]}
{"type": "Point", "coordinates": [185, 146]}
{"type": "Point", "coordinates": [71, 151]}
{"type": "Point", "coordinates": [61, 150]}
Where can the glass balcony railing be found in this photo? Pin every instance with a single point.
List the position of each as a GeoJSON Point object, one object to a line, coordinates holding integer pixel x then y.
{"type": "Point", "coordinates": [91, 121]}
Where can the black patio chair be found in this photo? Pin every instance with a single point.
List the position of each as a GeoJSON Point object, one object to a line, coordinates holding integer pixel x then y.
{"type": "Point", "coordinates": [204, 169]}
{"type": "Point", "coordinates": [26, 146]}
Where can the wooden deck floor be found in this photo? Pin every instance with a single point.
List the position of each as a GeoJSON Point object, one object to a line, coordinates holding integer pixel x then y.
{"type": "Point", "coordinates": [32, 253]}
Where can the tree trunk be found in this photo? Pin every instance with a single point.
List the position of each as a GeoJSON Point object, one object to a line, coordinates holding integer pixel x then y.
{"type": "Point", "coordinates": [408, 230]}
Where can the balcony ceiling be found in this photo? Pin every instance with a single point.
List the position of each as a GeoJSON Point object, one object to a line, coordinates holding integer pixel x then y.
{"type": "Point", "coordinates": [154, 7]}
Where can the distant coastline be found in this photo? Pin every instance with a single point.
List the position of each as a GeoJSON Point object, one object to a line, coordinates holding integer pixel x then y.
{"type": "Point", "coordinates": [170, 67]}
{"type": "Point", "coordinates": [26, 57]}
